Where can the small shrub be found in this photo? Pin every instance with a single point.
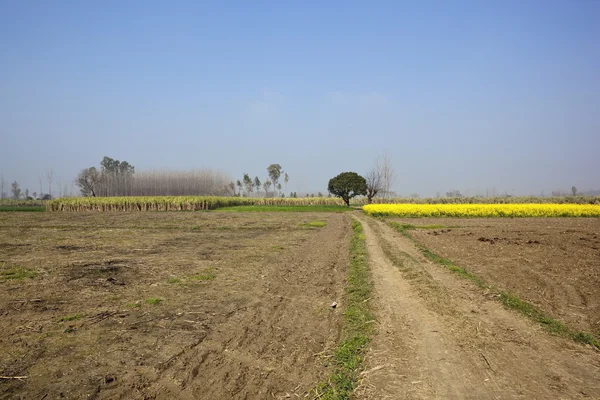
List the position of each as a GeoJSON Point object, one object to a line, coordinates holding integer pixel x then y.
{"type": "Point", "coordinates": [73, 317]}
{"type": "Point", "coordinates": [154, 301]}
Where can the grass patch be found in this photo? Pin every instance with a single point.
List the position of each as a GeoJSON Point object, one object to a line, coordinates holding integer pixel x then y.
{"type": "Point", "coordinates": [207, 275]}
{"type": "Point", "coordinates": [435, 226]}
{"type": "Point", "coordinates": [277, 247]}
{"type": "Point", "coordinates": [412, 227]}
{"type": "Point", "coordinates": [402, 228]}
{"type": "Point", "coordinates": [285, 209]}
{"type": "Point", "coordinates": [17, 273]}
{"type": "Point", "coordinates": [154, 301]}
{"type": "Point", "coordinates": [174, 280]}
{"type": "Point", "coordinates": [357, 330]}
{"type": "Point", "coordinates": [315, 224]}
{"type": "Point", "coordinates": [509, 300]}
{"type": "Point", "coordinates": [22, 208]}
{"type": "Point", "coordinates": [73, 317]}
{"type": "Point", "coordinates": [137, 304]}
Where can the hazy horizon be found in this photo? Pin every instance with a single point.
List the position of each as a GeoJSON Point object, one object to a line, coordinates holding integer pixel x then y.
{"type": "Point", "coordinates": [462, 95]}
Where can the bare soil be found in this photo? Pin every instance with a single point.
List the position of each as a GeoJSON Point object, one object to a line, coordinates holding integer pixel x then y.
{"type": "Point", "coordinates": [242, 304]}
{"type": "Point", "coordinates": [552, 263]}
{"type": "Point", "coordinates": [441, 337]}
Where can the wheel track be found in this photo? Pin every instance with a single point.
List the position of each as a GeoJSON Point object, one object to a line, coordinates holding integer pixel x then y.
{"type": "Point", "coordinates": [439, 336]}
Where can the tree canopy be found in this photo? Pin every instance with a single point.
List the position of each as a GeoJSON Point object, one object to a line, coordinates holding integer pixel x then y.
{"type": "Point", "coordinates": [274, 171]}
{"type": "Point", "coordinates": [347, 185]}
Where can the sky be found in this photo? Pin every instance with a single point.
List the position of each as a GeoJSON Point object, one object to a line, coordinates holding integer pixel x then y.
{"type": "Point", "coordinates": [462, 95]}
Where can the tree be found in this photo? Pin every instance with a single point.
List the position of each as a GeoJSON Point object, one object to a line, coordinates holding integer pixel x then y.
{"type": "Point", "coordinates": [274, 171]}
{"type": "Point", "coordinates": [27, 194]}
{"type": "Point", "coordinates": [2, 193]}
{"type": "Point", "coordinates": [374, 181]}
{"type": "Point", "coordinates": [286, 179]}
{"type": "Point", "coordinates": [88, 180]}
{"type": "Point", "coordinates": [266, 186]}
{"type": "Point", "coordinates": [257, 185]}
{"type": "Point", "coordinates": [16, 190]}
{"type": "Point", "coordinates": [347, 185]}
{"type": "Point", "coordinates": [239, 185]}
{"type": "Point", "coordinates": [230, 187]}
{"type": "Point", "coordinates": [454, 193]}
{"type": "Point", "coordinates": [574, 191]}
{"type": "Point", "coordinates": [116, 177]}
{"type": "Point", "coordinates": [279, 188]}
{"type": "Point", "coordinates": [388, 175]}
{"type": "Point", "coordinates": [248, 184]}
{"type": "Point", "coordinates": [49, 175]}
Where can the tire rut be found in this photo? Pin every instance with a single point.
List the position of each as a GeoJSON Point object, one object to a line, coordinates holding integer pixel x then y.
{"type": "Point", "coordinates": [440, 336]}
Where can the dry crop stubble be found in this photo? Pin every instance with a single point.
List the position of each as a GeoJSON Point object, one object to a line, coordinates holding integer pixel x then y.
{"type": "Point", "coordinates": [137, 332]}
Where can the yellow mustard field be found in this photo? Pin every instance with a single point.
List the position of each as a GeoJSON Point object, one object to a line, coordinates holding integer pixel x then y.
{"type": "Point", "coordinates": [483, 210]}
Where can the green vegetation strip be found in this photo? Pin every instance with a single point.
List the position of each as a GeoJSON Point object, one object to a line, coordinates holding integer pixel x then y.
{"type": "Point", "coordinates": [16, 272]}
{"type": "Point", "coordinates": [357, 329]}
{"type": "Point", "coordinates": [260, 208]}
{"type": "Point", "coordinates": [509, 300]}
{"type": "Point", "coordinates": [22, 208]}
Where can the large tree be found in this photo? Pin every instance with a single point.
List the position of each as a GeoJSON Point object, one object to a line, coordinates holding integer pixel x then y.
{"type": "Point", "coordinates": [88, 181]}
{"type": "Point", "coordinates": [116, 177]}
{"type": "Point", "coordinates": [275, 172]}
{"type": "Point", "coordinates": [374, 182]}
{"type": "Point", "coordinates": [347, 185]}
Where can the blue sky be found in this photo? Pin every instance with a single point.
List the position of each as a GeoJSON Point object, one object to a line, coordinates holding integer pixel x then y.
{"type": "Point", "coordinates": [463, 95]}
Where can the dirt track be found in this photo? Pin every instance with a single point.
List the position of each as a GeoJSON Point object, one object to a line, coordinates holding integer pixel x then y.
{"type": "Point", "coordinates": [553, 263]}
{"type": "Point", "coordinates": [441, 337]}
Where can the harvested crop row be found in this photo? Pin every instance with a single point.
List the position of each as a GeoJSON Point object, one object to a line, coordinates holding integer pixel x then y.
{"type": "Point", "coordinates": [483, 210]}
{"type": "Point", "coordinates": [176, 203]}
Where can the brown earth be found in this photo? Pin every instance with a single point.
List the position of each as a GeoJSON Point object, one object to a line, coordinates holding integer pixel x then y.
{"type": "Point", "coordinates": [244, 310]}
{"type": "Point", "coordinates": [440, 336]}
{"type": "Point", "coordinates": [552, 263]}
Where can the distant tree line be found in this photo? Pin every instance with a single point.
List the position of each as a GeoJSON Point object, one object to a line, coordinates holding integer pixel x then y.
{"type": "Point", "coordinates": [248, 187]}
{"type": "Point", "coordinates": [16, 193]}
{"type": "Point", "coordinates": [119, 178]}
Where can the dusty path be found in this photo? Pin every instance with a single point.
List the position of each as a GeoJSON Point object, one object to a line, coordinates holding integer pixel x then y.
{"type": "Point", "coordinates": [441, 337]}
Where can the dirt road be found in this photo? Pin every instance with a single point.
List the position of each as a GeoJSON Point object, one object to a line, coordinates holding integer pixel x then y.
{"type": "Point", "coordinates": [441, 337]}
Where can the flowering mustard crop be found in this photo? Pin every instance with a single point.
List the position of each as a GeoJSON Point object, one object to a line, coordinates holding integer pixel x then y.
{"type": "Point", "coordinates": [483, 210]}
